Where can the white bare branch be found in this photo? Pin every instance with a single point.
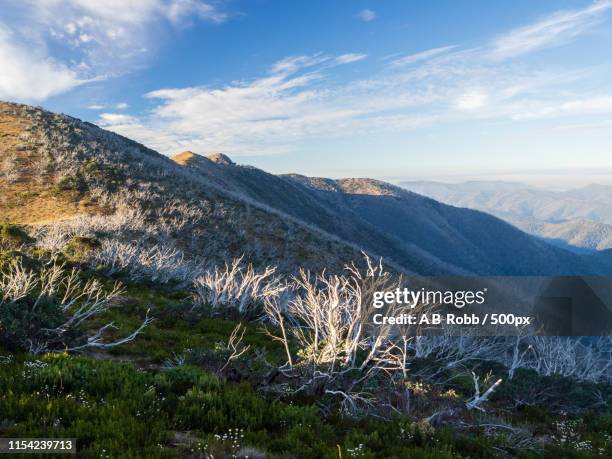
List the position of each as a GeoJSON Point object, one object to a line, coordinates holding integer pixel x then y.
{"type": "Point", "coordinates": [478, 399]}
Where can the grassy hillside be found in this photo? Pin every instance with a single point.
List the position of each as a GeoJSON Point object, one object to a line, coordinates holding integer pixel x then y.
{"type": "Point", "coordinates": [58, 168]}
{"type": "Point", "coordinates": [27, 192]}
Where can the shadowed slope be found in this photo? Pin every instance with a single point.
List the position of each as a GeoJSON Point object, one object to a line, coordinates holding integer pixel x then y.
{"type": "Point", "coordinates": [415, 232]}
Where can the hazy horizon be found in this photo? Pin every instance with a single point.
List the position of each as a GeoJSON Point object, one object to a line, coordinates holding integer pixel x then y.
{"type": "Point", "coordinates": [552, 182]}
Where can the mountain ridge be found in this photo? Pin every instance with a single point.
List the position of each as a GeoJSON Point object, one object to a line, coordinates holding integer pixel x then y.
{"type": "Point", "coordinates": [408, 228]}
{"type": "Point", "coordinates": [219, 210]}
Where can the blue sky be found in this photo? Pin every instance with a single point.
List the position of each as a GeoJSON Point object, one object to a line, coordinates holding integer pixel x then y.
{"type": "Point", "coordinates": [448, 90]}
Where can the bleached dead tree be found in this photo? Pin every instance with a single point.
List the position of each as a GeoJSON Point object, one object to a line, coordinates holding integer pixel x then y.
{"type": "Point", "coordinates": [97, 339]}
{"type": "Point", "coordinates": [478, 399]}
{"type": "Point", "coordinates": [235, 347]}
{"type": "Point", "coordinates": [137, 245]}
{"type": "Point", "coordinates": [10, 167]}
{"type": "Point", "coordinates": [519, 354]}
{"type": "Point", "coordinates": [47, 309]}
{"type": "Point", "coordinates": [585, 358]}
{"type": "Point", "coordinates": [337, 355]}
{"type": "Point", "coordinates": [158, 263]}
{"type": "Point", "coordinates": [239, 288]}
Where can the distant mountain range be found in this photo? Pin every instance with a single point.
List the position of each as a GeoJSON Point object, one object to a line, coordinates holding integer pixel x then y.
{"type": "Point", "coordinates": [578, 219]}
{"type": "Point", "coordinates": [55, 167]}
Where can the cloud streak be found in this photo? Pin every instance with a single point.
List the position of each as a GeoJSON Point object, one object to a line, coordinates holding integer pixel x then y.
{"type": "Point", "coordinates": [117, 106]}
{"type": "Point", "coordinates": [96, 39]}
{"type": "Point", "coordinates": [552, 30]}
{"type": "Point", "coordinates": [262, 116]}
{"type": "Point", "coordinates": [420, 56]}
{"type": "Point", "coordinates": [350, 58]}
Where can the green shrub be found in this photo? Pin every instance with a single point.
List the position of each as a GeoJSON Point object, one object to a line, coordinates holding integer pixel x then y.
{"type": "Point", "coordinates": [106, 406]}
{"type": "Point", "coordinates": [118, 410]}
{"type": "Point", "coordinates": [7, 257]}
{"type": "Point", "coordinates": [80, 247]}
{"type": "Point", "coordinates": [556, 392]}
{"type": "Point", "coordinates": [13, 236]}
{"type": "Point", "coordinates": [27, 194]}
{"type": "Point", "coordinates": [69, 183]}
{"type": "Point", "coordinates": [130, 413]}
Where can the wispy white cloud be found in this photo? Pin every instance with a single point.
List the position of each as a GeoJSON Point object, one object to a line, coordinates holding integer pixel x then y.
{"type": "Point", "coordinates": [350, 58]}
{"type": "Point", "coordinates": [472, 100]}
{"type": "Point", "coordinates": [366, 15]}
{"type": "Point", "coordinates": [295, 102]}
{"type": "Point", "coordinates": [295, 63]}
{"type": "Point", "coordinates": [117, 106]}
{"type": "Point", "coordinates": [181, 11]}
{"type": "Point", "coordinates": [552, 30]}
{"type": "Point", "coordinates": [52, 46]}
{"type": "Point", "coordinates": [420, 56]}
{"type": "Point", "coordinates": [589, 105]}
{"type": "Point", "coordinates": [319, 61]}
{"type": "Point", "coordinates": [265, 115]}
{"type": "Point", "coordinates": [114, 119]}
{"type": "Point", "coordinates": [27, 75]}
